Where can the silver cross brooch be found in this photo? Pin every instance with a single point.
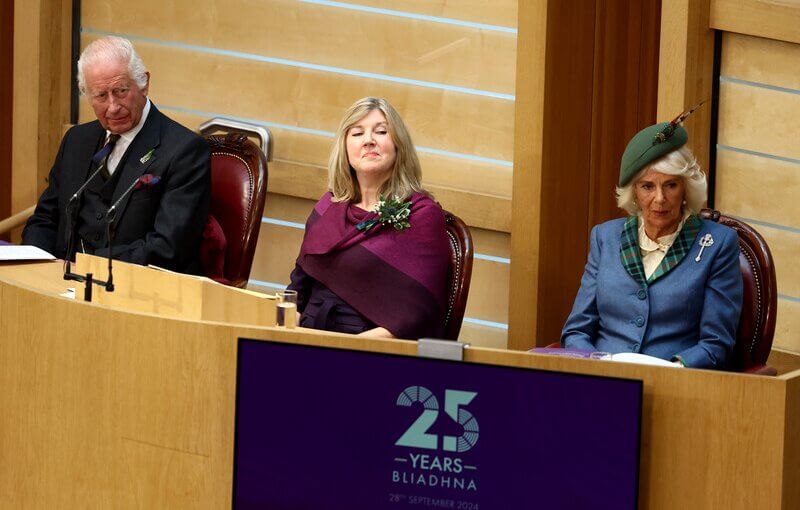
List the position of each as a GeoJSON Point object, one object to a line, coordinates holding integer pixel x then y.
{"type": "Point", "coordinates": [706, 240]}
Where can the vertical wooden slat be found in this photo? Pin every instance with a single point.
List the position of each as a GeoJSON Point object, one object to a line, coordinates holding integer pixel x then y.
{"type": "Point", "coordinates": [529, 128]}
{"type": "Point", "coordinates": [41, 93]}
{"type": "Point", "coordinates": [566, 161]}
{"type": "Point", "coordinates": [685, 73]}
{"type": "Point", "coordinates": [625, 93]}
{"type": "Point", "coordinates": [6, 102]}
{"type": "Point", "coordinates": [580, 97]}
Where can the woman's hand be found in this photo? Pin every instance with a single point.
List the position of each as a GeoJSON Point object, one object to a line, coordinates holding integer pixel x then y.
{"type": "Point", "coordinates": [377, 333]}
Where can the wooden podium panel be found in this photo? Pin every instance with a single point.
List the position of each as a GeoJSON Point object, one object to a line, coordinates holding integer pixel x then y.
{"type": "Point", "coordinates": [170, 294]}
{"type": "Point", "coordinates": [108, 408]}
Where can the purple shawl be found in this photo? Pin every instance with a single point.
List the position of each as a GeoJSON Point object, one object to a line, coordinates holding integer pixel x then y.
{"type": "Point", "coordinates": [396, 279]}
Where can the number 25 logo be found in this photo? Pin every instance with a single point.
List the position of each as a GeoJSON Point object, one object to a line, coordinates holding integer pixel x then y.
{"type": "Point", "coordinates": [417, 435]}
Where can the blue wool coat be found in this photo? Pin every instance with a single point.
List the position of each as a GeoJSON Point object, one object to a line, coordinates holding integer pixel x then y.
{"type": "Point", "coordinates": [692, 311]}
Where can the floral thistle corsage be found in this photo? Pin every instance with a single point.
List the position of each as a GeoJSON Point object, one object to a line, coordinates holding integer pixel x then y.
{"type": "Point", "coordinates": [391, 212]}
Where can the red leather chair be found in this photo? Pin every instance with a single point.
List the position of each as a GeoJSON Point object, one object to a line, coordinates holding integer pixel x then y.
{"type": "Point", "coordinates": [459, 273]}
{"type": "Point", "coordinates": [238, 192]}
{"type": "Point", "coordinates": [760, 302]}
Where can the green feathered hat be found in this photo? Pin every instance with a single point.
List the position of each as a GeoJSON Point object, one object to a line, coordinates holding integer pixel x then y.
{"type": "Point", "coordinates": [652, 143]}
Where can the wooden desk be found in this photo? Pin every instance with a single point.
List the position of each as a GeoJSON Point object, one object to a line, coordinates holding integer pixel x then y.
{"type": "Point", "coordinates": [107, 408]}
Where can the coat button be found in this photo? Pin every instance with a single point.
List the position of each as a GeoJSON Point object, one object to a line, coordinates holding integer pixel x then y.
{"type": "Point", "coordinates": [642, 294]}
{"type": "Point", "coordinates": [97, 237]}
{"type": "Point", "coordinates": [99, 216]}
{"type": "Point", "coordinates": [639, 321]}
{"type": "Point", "coordinates": [636, 347]}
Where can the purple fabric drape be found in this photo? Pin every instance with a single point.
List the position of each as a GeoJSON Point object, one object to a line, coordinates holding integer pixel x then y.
{"type": "Point", "coordinates": [396, 279]}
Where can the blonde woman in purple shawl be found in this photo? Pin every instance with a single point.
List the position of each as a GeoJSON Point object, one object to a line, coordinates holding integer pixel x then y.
{"type": "Point", "coordinates": [374, 257]}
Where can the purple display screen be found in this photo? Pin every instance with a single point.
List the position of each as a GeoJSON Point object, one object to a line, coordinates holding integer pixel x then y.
{"type": "Point", "coordinates": [322, 428]}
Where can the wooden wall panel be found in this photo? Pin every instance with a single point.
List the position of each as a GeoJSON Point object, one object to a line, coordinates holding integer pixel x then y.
{"type": "Point", "coordinates": [788, 325]}
{"type": "Point", "coordinates": [288, 208]}
{"type": "Point", "coordinates": [446, 120]}
{"type": "Point", "coordinates": [465, 188]}
{"type": "Point", "coordinates": [759, 119]}
{"type": "Point", "coordinates": [634, 84]}
{"type": "Point", "coordinates": [569, 86]}
{"type": "Point", "coordinates": [6, 104]}
{"type": "Point", "coordinates": [488, 299]}
{"type": "Point", "coordinates": [344, 38]}
{"type": "Point", "coordinates": [42, 36]}
{"type": "Point", "coordinates": [686, 69]}
{"type": "Point", "coordinates": [759, 188]}
{"type": "Point", "coordinates": [529, 127]}
{"type": "Point", "coordinates": [477, 191]}
{"type": "Point", "coordinates": [775, 19]}
{"type": "Point", "coordinates": [296, 148]}
{"type": "Point", "coordinates": [500, 12]}
{"type": "Point", "coordinates": [488, 242]}
{"type": "Point", "coordinates": [761, 60]}
{"type": "Point", "coordinates": [758, 158]}
{"type": "Point", "coordinates": [276, 253]}
{"type": "Point", "coordinates": [300, 158]}
{"type": "Point", "coordinates": [785, 247]}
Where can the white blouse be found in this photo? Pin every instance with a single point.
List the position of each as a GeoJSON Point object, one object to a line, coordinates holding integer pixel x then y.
{"type": "Point", "coordinates": [653, 252]}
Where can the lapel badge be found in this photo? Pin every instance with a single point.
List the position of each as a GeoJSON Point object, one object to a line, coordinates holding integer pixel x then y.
{"type": "Point", "coordinates": [706, 240]}
{"type": "Point", "coordinates": [144, 159]}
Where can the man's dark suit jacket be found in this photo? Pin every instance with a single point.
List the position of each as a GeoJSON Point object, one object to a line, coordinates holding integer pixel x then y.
{"type": "Point", "coordinates": [160, 224]}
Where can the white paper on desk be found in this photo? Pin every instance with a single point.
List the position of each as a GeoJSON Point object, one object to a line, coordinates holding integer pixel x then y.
{"type": "Point", "coordinates": [642, 359]}
{"type": "Point", "coordinates": [15, 252]}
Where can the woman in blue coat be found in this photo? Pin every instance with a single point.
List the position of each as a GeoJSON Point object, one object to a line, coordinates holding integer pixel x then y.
{"type": "Point", "coordinates": [662, 281]}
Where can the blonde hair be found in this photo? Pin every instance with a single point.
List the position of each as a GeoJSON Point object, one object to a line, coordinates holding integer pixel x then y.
{"type": "Point", "coordinates": [406, 176]}
{"type": "Point", "coordinates": [679, 162]}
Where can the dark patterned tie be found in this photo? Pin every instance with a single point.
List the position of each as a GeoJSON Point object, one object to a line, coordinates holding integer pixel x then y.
{"type": "Point", "coordinates": [101, 158]}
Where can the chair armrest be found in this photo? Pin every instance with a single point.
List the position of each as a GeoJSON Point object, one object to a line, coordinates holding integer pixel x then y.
{"type": "Point", "coordinates": [761, 369]}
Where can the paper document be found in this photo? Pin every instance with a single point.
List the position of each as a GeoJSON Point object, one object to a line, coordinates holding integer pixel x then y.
{"type": "Point", "coordinates": [642, 359]}
{"type": "Point", "coordinates": [13, 252]}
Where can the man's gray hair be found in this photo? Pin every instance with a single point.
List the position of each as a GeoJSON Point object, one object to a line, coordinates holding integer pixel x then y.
{"type": "Point", "coordinates": [679, 162]}
{"type": "Point", "coordinates": [112, 48]}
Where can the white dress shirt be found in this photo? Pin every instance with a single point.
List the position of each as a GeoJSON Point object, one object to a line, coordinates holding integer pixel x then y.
{"type": "Point", "coordinates": [125, 140]}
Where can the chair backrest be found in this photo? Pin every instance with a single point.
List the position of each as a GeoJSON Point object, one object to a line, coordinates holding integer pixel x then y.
{"type": "Point", "coordinates": [238, 191]}
{"type": "Point", "coordinates": [459, 273]}
{"type": "Point", "coordinates": [760, 299]}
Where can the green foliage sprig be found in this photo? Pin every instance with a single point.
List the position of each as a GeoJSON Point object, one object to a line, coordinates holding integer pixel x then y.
{"type": "Point", "coordinates": [392, 212]}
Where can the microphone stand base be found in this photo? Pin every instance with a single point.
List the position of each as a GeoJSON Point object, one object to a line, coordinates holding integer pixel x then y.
{"type": "Point", "coordinates": [89, 281]}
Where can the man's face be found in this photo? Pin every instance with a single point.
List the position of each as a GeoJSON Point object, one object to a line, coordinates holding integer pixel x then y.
{"type": "Point", "coordinates": [116, 99]}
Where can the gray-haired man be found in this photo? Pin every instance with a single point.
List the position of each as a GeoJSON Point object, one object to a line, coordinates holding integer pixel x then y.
{"type": "Point", "coordinates": [132, 146]}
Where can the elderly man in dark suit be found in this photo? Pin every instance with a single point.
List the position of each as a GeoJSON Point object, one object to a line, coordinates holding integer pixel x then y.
{"type": "Point", "coordinates": [130, 147]}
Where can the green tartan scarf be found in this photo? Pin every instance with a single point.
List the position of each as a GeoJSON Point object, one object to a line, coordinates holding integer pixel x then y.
{"type": "Point", "coordinates": [631, 256]}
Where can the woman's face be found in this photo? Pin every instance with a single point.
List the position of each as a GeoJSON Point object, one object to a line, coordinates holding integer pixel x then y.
{"type": "Point", "coordinates": [370, 149]}
{"type": "Point", "coordinates": [660, 197]}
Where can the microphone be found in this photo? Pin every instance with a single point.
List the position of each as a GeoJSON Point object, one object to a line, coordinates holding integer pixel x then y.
{"type": "Point", "coordinates": [100, 159]}
{"type": "Point", "coordinates": [72, 211]}
{"type": "Point", "coordinates": [143, 181]}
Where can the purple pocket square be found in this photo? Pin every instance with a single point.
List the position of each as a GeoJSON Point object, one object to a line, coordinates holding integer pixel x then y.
{"type": "Point", "coordinates": [147, 181]}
